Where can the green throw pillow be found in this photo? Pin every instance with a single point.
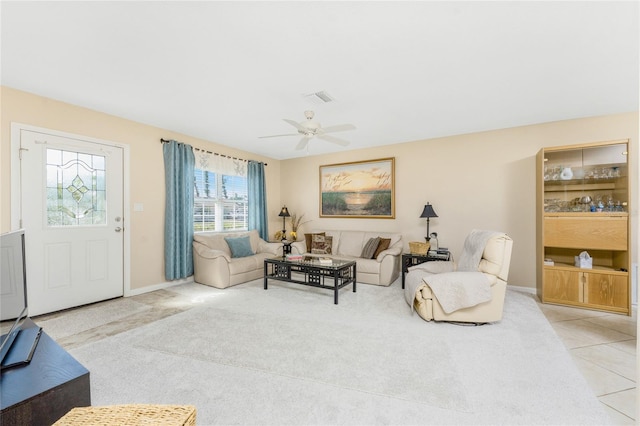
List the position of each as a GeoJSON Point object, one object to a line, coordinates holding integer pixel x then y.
{"type": "Point", "coordinates": [239, 246]}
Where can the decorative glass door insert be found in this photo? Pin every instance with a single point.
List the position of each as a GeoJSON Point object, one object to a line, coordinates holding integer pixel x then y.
{"type": "Point", "coordinates": [76, 190]}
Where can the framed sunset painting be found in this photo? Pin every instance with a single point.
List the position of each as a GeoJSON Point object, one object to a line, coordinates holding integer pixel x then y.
{"type": "Point", "coordinates": [362, 189]}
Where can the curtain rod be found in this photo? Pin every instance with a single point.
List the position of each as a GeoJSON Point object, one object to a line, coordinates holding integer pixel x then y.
{"type": "Point", "coordinates": [215, 153]}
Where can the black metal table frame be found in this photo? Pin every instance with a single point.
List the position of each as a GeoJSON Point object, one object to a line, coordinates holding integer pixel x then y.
{"type": "Point", "coordinates": [410, 259]}
{"type": "Point", "coordinates": [315, 274]}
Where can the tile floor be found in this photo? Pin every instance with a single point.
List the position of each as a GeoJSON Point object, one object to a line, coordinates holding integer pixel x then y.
{"type": "Point", "coordinates": [603, 347]}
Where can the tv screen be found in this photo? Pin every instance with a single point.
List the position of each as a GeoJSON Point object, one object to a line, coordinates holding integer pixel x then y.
{"type": "Point", "coordinates": [13, 282]}
{"type": "Point", "coordinates": [13, 290]}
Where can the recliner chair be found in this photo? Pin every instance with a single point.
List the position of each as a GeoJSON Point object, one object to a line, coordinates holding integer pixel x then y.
{"type": "Point", "coordinates": [493, 264]}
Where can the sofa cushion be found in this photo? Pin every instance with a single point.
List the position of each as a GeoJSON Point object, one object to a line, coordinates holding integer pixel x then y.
{"type": "Point", "coordinates": [321, 244]}
{"type": "Point", "coordinates": [351, 243]}
{"type": "Point", "coordinates": [309, 239]}
{"type": "Point", "coordinates": [370, 248]}
{"type": "Point", "coordinates": [239, 246]}
{"type": "Point", "coordinates": [382, 246]}
{"type": "Point", "coordinates": [213, 241]}
{"type": "Point", "coordinates": [240, 265]}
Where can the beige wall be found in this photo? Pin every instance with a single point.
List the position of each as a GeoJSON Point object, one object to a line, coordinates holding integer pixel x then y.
{"type": "Point", "coordinates": [480, 180]}
{"type": "Point", "coordinates": [146, 170]}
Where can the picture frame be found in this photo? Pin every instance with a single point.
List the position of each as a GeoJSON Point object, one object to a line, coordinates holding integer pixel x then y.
{"type": "Point", "coordinates": [359, 189]}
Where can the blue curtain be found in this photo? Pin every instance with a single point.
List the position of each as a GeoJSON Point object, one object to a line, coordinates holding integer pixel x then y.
{"type": "Point", "coordinates": [257, 199]}
{"type": "Point", "coordinates": [179, 163]}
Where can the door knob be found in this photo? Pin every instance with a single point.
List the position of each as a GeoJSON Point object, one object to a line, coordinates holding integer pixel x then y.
{"type": "Point", "coordinates": [118, 229]}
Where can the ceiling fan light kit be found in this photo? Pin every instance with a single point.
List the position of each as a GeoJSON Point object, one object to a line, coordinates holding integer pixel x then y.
{"type": "Point", "coordinates": [310, 128]}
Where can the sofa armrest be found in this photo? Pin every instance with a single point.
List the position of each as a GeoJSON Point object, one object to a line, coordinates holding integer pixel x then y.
{"type": "Point", "coordinates": [267, 247]}
{"type": "Point", "coordinates": [208, 253]}
{"type": "Point", "coordinates": [391, 251]}
{"type": "Point", "coordinates": [300, 247]}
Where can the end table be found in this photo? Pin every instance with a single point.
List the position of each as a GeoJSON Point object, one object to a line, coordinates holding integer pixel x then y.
{"type": "Point", "coordinates": [410, 259]}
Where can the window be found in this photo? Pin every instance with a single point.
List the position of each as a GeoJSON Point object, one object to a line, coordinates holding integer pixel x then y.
{"type": "Point", "coordinates": [220, 202]}
{"type": "Point", "coordinates": [76, 189]}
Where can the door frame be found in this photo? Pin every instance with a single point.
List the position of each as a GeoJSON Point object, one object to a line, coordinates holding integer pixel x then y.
{"type": "Point", "coordinates": [16, 195]}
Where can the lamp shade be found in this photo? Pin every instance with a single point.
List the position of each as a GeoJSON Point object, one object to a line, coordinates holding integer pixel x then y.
{"type": "Point", "coordinates": [284, 212]}
{"type": "Point", "coordinates": [428, 211]}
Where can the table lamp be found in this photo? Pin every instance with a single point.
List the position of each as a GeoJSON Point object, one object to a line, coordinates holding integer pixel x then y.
{"type": "Point", "coordinates": [284, 213]}
{"type": "Point", "coordinates": [428, 212]}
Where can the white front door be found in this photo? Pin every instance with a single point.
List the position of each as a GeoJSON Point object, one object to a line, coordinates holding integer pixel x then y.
{"type": "Point", "coordinates": [72, 212]}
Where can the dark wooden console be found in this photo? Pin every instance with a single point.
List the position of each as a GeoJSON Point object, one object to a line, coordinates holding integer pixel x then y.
{"type": "Point", "coordinates": [44, 390]}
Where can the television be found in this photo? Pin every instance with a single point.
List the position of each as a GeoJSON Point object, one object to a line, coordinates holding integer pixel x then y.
{"type": "Point", "coordinates": [19, 336]}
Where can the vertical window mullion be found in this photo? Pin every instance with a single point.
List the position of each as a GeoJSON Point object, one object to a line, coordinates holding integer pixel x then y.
{"type": "Point", "coordinates": [220, 202]}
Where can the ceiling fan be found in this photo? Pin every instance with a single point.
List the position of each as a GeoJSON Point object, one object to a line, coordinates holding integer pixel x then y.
{"type": "Point", "coordinates": [309, 129]}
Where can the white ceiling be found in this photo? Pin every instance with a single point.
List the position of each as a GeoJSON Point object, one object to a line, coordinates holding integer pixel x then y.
{"type": "Point", "coordinates": [229, 72]}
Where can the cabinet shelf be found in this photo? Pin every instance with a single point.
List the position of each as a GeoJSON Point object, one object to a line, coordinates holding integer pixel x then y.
{"type": "Point", "coordinates": [579, 185]}
{"type": "Point", "coordinates": [596, 269]}
{"type": "Point", "coordinates": [586, 214]}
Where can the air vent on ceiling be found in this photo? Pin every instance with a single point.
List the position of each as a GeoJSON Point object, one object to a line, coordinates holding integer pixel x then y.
{"type": "Point", "coordinates": [321, 97]}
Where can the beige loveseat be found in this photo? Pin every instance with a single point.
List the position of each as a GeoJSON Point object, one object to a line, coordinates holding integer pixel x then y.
{"type": "Point", "coordinates": [382, 270]}
{"type": "Point", "coordinates": [214, 264]}
{"type": "Point", "coordinates": [493, 265]}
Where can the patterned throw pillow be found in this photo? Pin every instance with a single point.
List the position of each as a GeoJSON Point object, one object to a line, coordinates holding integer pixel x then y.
{"type": "Point", "coordinates": [309, 240]}
{"type": "Point", "coordinates": [384, 244]}
{"type": "Point", "coordinates": [370, 248]}
{"type": "Point", "coordinates": [321, 244]}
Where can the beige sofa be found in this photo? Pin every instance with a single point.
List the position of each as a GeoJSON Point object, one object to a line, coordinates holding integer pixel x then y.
{"type": "Point", "coordinates": [383, 270]}
{"type": "Point", "coordinates": [494, 264]}
{"type": "Point", "coordinates": [214, 265]}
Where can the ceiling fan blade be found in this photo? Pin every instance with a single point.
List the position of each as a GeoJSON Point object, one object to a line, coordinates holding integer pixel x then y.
{"type": "Point", "coordinates": [277, 136]}
{"type": "Point", "coordinates": [303, 142]}
{"type": "Point", "coordinates": [295, 124]}
{"type": "Point", "coordinates": [338, 128]}
{"type": "Point", "coordinates": [334, 140]}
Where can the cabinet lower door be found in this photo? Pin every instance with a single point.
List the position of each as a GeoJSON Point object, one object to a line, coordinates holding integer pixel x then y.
{"type": "Point", "coordinates": [609, 291]}
{"type": "Point", "coordinates": [562, 286]}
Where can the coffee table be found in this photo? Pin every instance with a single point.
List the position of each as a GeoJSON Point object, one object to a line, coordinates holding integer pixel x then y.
{"type": "Point", "coordinates": [310, 271]}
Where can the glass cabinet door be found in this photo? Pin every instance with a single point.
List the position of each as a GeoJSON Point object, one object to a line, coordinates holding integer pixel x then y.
{"type": "Point", "coordinates": [592, 179]}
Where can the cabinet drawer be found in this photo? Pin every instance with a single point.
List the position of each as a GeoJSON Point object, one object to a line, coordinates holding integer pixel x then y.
{"type": "Point", "coordinates": [597, 233]}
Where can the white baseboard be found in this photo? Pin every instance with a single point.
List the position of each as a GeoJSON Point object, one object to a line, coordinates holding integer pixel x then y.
{"type": "Point", "coordinates": [523, 289]}
{"type": "Point", "coordinates": [166, 284]}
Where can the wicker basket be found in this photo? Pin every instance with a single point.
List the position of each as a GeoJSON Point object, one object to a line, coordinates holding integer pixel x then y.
{"type": "Point", "coordinates": [131, 414]}
{"type": "Point", "coordinates": [417, 247]}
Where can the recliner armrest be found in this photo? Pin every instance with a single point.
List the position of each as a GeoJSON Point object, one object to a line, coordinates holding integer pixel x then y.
{"type": "Point", "coordinates": [435, 267]}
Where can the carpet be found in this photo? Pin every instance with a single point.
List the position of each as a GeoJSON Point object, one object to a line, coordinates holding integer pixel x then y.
{"type": "Point", "coordinates": [288, 355]}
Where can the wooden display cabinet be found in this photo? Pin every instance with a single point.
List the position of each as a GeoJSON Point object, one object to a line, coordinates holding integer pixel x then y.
{"type": "Point", "coordinates": [582, 205]}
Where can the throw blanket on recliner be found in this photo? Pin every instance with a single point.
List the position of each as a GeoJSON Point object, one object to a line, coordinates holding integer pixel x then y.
{"type": "Point", "coordinates": [456, 290]}
{"type": "Point", "coordinates": [459, 290]}
{"type": "Point", "coordinates": [473, 248]}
